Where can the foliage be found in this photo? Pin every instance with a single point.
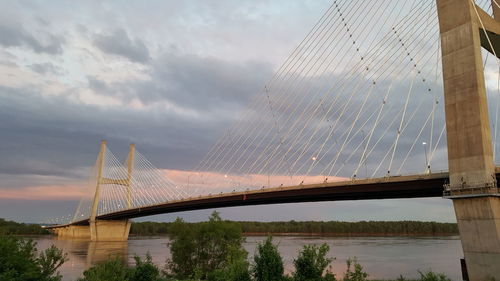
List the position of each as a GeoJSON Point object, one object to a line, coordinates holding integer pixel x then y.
{"type": "Point", "coordinates": [358, 274]}
{"type": "Point", "coordinates": [112, 270]}
{"type": "Point", "coordinates": [268, 263]}
{"type": "Point", "coordinates": [199, 249]}
{"type": "Point", "coordinates": [20, 261]}
{"type": "Point", "coordinates": [14, 228]}
{"type": "Point", "coordinates": [236, 270]}
{"type": "Point", "coordinates": [431, 276]}
{"type": "Point", "coordinates": [145, 270]}
{"type": "Point", "coordinates": [325, 228]}
{"type": "Point", "coordinates": [311, 263]}
{"type": "Point", "coordinates": [115, 269]}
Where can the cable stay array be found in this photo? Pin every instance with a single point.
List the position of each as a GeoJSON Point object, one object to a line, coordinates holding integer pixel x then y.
{"type": "Point", "coordinates": [133, 184]}
{"type": "Point", "coordinates": [361, 96]}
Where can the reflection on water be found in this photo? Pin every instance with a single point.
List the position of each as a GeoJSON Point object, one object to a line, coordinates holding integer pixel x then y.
{"type": "Point", "coordinates": [382, 257]}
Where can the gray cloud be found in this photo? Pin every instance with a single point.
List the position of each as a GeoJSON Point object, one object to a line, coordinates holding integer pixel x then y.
{"type": "Point", "coordinates": [191, 82]}
{"type": "Point", "coordinates": [14, 35]}
{"type": "Point", "coordinates": [36, 142]}
{"type": "Point", "coordinates": [119, 43]}
{"type": "Point", "coordinates": [45, 68]}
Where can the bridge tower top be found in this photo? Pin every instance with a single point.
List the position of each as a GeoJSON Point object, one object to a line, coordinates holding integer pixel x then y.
{"type": "Point", "coordinates": [102, 179]}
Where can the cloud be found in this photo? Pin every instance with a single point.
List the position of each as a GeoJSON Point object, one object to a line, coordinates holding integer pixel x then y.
{"type": "Point", "coordinates": [14, 35]}
{"type": "Point", "coordinates": [54, 192]}
{"type": "Point", "coordinates": [45, 68]}
{"type": "Point", "coordinates": [190, 82]}
{"type": "Point", "coordinates": [119, 43]}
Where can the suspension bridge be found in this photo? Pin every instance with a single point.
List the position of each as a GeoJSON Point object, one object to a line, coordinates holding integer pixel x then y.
{"type": "Point", "coordinates": [381, 100]}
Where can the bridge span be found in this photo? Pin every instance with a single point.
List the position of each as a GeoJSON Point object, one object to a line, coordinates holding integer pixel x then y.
{"type": "Point", "coordinates": [395, 187]}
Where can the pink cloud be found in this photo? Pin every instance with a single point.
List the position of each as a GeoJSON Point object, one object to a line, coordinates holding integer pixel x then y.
{"type": "Point", "coordinates": [191, 183]}
{"type": "Point", "coordinates": [47, 192]}
{"type": "Point", "coordinates": [211, 182]}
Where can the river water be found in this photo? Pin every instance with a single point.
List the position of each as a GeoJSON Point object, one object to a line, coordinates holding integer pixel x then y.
{"type": "Point", "coordinates": [381, 257]}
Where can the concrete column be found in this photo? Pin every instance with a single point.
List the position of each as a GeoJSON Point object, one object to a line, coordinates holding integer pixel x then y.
{"type": "Point", "coordinates": [97, 194]}
{"type": "Point", "coordinates": [109, 230]}
{"type": "Point", "coordinates": [496, 9]}
{"type": "Point", "coordinates": [470, 154]}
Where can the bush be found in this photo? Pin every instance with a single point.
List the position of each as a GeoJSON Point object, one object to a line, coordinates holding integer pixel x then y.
{"type": "Point", "coordinates": [112, 270]}
{"type": "Point", "coordinates": [268, 263]}
{"type": "Point", "coordinates": [311, 263]}
{"type": "Point", "coordinates": [199, 249]}
{"type": "Point", "coordinates": [20, 261]}
{"type": "Point", "coordinates": [431, 276]}
{"type": "Point", "coordinates": [236, 270]}
{"type": "Point", "coordinates": [115, 269]}
{"type": "Point", "coordinates": [358, 274]}
{"type": "Point", "coordinates": [145, 270]}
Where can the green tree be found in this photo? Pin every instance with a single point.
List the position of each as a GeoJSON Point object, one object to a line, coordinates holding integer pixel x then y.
{"type": "Point", "coordinates": [236, 269]}
{"type": "Point", "coordinates": [311, 263]}
{"type": "Point", "coordinates": [115, 269]}
{"type": "Point", "coordinates": [199, 249]}
{"type": "Point", "coordinates": [112, 270]}
{"type": "Point", "coordinates": [145, 270]}
{"type": "Point", "coordinates": [268, 263]}
{"type": "Point", "coordinates": [356, 273]}
{"type": "Point", "coordinates": [20, 261]}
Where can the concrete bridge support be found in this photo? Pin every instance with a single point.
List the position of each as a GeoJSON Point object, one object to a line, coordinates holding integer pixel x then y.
{"type": "Point", "coordinates": [109, 230]}
{"type": "Point", "coordinates": [473, 185]}
{"type": "Point", "coordinates": [100, 230]}
{"type": "Point", "coordinates": [73, 231]}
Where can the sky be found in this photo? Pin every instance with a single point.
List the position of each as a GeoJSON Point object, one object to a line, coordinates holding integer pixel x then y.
{"type": "Point", "coordinates": [169, 76]}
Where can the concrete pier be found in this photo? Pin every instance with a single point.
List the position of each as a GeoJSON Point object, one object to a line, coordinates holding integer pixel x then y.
{"type": "Point", "coordinates": [104, 230]}
{"type": "Point", "coordinates": [101, 230]}
{"type": "Point", "coordinates": [473, 185]}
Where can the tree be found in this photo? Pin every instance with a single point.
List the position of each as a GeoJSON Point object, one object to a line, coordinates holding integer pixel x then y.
{"type": "Point", "coordinates": [199, 249]}
{"type": "Point", "coordinates": [268, 263]}
{"type": "Point", "coordinates": [145, 270]}
{"type": "Point", "coordinates": [358, 274]}
{"type": "Point", "coordinates": [115, 269]}
{"type": "Point", "coordinates": [236, 269]}
{"type": "Point", "coordinates": [20, 261]}
{"type": "Point", "coordinates": [112, 270]}
{"type": "Point", "coordinates": [311, 263]}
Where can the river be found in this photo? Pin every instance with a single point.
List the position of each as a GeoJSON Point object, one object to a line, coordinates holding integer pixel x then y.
{"type": "Point", "coordinates": [381, 257]}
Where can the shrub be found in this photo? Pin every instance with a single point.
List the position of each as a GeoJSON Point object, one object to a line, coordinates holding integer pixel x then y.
{"type": "Point", "coordinates": [358, 274]}
{"type": "Point", "coordinates": [311, 263]}
{"type": "Point", "coordinates": [199, 249]}
{"type": "Point", "coordinates": [268, 264]}
{"type": "Point", "coordinates": [20, 261]}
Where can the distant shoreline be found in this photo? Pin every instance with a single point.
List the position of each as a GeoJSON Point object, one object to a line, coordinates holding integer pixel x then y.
{"type": "Point", "coordinates": [280, 228]}
{"type": "Point", "coordinates": [326, 235]}
{"type": "Point", "coordinates": [319, 234]}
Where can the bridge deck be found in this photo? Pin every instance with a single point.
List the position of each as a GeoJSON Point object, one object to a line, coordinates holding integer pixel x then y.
{"type": "Point", "coordinates": [412, 186]}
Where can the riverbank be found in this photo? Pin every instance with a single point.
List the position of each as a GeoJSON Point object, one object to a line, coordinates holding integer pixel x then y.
{"type": "Point", "coordinates": [302, 234]}
{"type": "Point", "coordinates": [290, 228]}
{"type": "Point", "coordinates": [320, 228]}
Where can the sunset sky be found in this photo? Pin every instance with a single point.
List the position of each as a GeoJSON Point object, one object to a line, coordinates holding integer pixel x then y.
{"type": "Point", "coordinates": [169, 76]}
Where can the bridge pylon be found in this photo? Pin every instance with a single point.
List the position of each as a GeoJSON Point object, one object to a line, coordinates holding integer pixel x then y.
{"type": "Point", "coordinates": [464, 29]}
{"type": "Point", "coordinates": [110, 230]}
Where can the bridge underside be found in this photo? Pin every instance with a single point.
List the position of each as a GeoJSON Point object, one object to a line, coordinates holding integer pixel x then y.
{"type": "Point", "coordinates": [416, 186]}
{"type": "Point", "coordinates": [381, 188]}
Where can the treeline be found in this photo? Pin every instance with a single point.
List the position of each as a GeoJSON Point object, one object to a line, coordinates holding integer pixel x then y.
{"type": "Point", "coordinates": [15, 228]}
{"type": "Point", "coordinates": [330, 228]}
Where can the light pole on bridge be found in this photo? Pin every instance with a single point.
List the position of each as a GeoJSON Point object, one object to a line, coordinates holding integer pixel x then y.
{"type": "Point", "coordinates": [427, 164]}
